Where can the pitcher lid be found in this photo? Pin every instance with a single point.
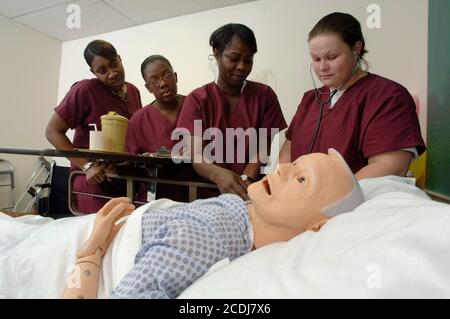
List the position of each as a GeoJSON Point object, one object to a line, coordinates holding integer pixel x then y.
{"type": "Point", "coordinates": [113, 116]}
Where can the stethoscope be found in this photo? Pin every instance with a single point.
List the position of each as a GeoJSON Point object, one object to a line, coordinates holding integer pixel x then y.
{"type": "Point", "coordinates": [318, 94]}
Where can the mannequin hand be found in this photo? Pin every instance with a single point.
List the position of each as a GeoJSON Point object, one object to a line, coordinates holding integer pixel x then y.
{"type": "Point", "coordinates": [96, 174]}
{"type": "Point", "coordinates": [105, 228]}
{"type": "Point", "coordinates": [230, 182]}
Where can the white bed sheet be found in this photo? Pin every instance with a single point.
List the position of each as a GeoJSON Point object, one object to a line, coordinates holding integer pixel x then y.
{"type": "Point", "coordinates": [396, 244]}
{"type": "Point", "coordinates": [37, 253]}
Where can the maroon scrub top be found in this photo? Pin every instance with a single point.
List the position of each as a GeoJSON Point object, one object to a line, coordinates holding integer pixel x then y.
{"type": "Point", "coordinates": [84, 104]}
{"type": "Point", "coordinates": [373, 116]}
{"type": "Point", "coordinates": [258, 107]}
{"type": "Point", "coordinates": [149, 130]}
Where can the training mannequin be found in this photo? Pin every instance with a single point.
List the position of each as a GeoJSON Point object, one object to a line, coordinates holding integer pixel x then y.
{"type": "Point", "coordinates": [180, 244]}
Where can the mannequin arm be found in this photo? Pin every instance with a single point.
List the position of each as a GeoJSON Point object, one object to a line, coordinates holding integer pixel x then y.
{"type": "Point", "coordinates": [389, 163]}
{"type": "Point", "coordinates": [83, 281]}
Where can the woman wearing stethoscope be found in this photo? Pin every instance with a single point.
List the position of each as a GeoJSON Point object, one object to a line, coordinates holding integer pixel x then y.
{"type": "Point", "coordinates": [369, 119]}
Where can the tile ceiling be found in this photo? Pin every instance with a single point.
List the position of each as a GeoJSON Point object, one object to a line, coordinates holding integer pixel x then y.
{"type": "Point", "coordinates": [69, 20]}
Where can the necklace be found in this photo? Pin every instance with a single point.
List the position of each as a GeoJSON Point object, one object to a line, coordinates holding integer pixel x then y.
{"type": "Point", "coordinates": [122, 94]}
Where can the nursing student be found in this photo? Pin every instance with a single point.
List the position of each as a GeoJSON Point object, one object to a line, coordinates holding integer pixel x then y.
{"type": "Point", "coordinates": [369, 119]}
{"type": "Point", "coordinates": [151, 127]}
{"type": "Point", "coordinates": [82, 107]}
{"type": "Point", "coordinates": [230, 102]}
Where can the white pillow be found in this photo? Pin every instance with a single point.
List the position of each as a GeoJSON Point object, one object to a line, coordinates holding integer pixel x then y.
{"type": "Point", "coordinates": [395, 245]}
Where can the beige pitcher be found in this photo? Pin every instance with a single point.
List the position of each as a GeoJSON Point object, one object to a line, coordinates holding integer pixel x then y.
{"type": "Point", "coordinates": [114, 128]}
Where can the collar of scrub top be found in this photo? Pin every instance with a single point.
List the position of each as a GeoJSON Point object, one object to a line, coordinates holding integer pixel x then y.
{"type": "Point", "coordinates": [243, 84]}
{"type": "Point", "coordinates": [335, 97]}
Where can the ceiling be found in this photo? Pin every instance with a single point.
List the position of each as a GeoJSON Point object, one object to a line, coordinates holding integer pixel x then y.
{"type": "Point", "coordinates": [69, 20]}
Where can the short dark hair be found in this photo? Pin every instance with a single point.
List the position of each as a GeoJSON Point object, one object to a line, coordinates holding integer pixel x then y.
{"type": "Point", "coordinates": [222, 37]}
{"type": "Point", "coordinates": [101, 48]}
{"type": "Point", "coordinates": [151, 59]}
{"type": "Point", "coordinates": [344, 25]}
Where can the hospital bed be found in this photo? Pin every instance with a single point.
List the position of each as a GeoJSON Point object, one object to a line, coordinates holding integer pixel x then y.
{"type": "Point", "coordinates": [394, 245]}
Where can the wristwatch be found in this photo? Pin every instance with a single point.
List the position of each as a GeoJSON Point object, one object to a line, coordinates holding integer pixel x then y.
{"type": "Point", "coordinates": [247, 178]}
{"type": "Point", "coordinates": [87, 166]}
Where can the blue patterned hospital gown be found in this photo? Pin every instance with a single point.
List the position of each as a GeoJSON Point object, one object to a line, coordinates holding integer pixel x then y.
{"type": "Point", "coordinates": [181, 243]}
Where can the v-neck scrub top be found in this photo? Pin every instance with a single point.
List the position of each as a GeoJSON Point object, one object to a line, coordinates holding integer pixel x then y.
{"type": "Point", "coordinates": [149, 130]}
{"type": "Point", "coordinates": [258, 107]}
{"type": "Point", "coordinates": [84, 104]}
{"type": "Point", "coordinates": [373, 116]}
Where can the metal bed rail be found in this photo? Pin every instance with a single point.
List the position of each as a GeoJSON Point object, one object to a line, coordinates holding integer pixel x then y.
{"type": "Point", "coordinates": [130, 187]}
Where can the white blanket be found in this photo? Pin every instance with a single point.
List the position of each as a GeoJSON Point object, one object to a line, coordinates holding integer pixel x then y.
{"type": "Point", "coordinates": [396, 244]}
{"type": "Point", "coordinates": [37, 253]}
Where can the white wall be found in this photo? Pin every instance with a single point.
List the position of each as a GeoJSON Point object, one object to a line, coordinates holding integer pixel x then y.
{"type": "Point", "coordinates": [30, 64]}
{"type": "Point", "coordinates": [398, 50]}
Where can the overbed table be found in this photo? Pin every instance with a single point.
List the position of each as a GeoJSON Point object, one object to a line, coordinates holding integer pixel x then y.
{"type": "Point", "coordinates": [140, 168]}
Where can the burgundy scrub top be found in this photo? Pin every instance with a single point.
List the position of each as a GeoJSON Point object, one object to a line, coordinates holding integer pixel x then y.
{"type": "Point", "coordinates": [148, 131]}
{"type": "Point", "coordinates": [373, 116]}
{"type": "Point", "coordinates": [84, 104]}
{"type": "Point", "coordinates": [258, 107]}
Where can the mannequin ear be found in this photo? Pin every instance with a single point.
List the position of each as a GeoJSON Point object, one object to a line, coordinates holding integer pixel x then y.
{"type": "Point", "coordinates": [176, 77]}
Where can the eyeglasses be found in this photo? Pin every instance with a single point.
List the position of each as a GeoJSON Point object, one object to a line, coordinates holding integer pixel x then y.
{"type": "Point", "coordinates": [166, 77]}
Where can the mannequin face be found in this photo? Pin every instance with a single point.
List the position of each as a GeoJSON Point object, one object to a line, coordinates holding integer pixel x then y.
{"type": "Point", "coordinates": [293, 196]}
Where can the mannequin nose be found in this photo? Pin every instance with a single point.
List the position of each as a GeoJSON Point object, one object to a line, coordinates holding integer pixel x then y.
{"type": "Point", "coordinates": [284, 169]}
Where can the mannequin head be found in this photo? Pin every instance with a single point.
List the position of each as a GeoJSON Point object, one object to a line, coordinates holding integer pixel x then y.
{"type": "Point", "coordinates": [301, 196]}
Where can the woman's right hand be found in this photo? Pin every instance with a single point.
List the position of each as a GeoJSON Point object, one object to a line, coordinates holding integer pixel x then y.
{"type": "Point", "coordinates": [96, 173]}
{"type": "Point", "coordinates": [230, 182]}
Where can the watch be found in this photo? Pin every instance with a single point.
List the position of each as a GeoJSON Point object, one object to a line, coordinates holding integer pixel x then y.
{"type": "Point", "coordinates": [247, 178]}
{"type": "Point", "coordinates": [87, 166]}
